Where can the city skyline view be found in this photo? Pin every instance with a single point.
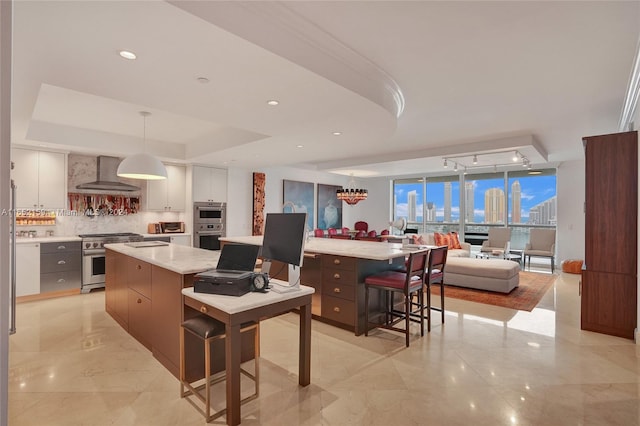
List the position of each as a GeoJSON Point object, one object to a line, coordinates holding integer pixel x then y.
{"type": "Point", "coordinates": [530, 199]}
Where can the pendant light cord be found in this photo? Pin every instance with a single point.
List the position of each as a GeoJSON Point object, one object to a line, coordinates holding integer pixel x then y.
{"type": "Point", "coordinates": [144, 115]}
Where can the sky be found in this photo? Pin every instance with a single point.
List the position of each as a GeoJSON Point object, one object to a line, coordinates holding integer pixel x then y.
{"type": "Point", "coordinates": [534, 190]}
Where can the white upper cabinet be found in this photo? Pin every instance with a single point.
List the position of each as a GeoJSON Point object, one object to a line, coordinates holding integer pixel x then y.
{"type": "Point", "coordinates": [168, 194]}
{"type": "Point", "coordinates": [209, 184]}
{"type": "Point", "coordinates": [41, 179]}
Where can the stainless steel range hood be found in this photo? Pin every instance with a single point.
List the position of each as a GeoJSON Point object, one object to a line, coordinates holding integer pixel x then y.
{"type": "Point", "coordinates": [107, 177]}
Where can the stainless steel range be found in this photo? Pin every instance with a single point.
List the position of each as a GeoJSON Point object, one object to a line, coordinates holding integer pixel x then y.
{"type": "Point", "coordinates": [93, 256]}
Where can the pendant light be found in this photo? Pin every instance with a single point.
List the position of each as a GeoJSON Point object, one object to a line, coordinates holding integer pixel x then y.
{"type": "Point", "coordinates": [143, 165]}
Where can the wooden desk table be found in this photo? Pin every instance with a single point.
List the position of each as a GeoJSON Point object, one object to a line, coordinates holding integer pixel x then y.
{"type": "Point", "coordinates": [233, 311]}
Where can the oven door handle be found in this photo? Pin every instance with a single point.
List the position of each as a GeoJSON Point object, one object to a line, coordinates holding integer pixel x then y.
{"type": "Point", "coordinates": [93, 252]}
{"type": "Point", "coordinates": [210, 233]}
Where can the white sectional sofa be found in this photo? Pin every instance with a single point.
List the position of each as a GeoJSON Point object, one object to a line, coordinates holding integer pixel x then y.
{"type": "Point", "coordinates": [483, 274]}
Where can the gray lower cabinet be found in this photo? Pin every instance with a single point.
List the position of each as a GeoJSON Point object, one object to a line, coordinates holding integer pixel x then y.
{"type": "Point", "coordinates": [60, 266]}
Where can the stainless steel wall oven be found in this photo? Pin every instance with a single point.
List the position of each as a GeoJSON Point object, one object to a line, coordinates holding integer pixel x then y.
{"type": "Point", "coordinates": [209, 224]}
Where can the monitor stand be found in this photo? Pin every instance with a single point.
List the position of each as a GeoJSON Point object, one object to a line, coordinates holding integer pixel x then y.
{"type": "Point", "coordinates": [294, 279]}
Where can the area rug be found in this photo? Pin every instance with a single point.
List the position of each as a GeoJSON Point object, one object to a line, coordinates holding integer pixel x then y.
{"type": "Point", "coordinates": [525, 297]}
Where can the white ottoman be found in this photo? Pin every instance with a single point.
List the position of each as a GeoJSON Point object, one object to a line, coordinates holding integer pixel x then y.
{"type": "Point", "coordinates": [484, 274]}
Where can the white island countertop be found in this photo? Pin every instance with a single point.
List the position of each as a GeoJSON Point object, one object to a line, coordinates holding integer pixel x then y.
{"type": "Point", "coordinates": [350, 248]}
{"type": "Point", "coordinates": [173, 257]}
{"type": "Point", "coordinates": [251, 300]}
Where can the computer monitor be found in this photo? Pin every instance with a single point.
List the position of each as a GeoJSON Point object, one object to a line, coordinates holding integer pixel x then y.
{"type": "Point", "coordinates": [284, 238]}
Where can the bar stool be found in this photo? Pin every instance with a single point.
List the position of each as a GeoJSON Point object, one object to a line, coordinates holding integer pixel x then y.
{"type": "Point", "coordinates": [208, 329]}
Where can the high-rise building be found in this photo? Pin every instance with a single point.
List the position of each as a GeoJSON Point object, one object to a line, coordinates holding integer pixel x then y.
{"type": "Point", "coordinates": [544, 213]}
{"type": "Point", "coordinates": [431, 212]}
{"type": "Point", "coordinates": [494, 205]}
{"type": "Point", "coordinates": [469, 207]}
{"type": "Point", "coordinates": [516, 207]}
{"type": "Point", "coordinates": [411, 206]}
{"type": "Point", "coordinates": [447, 201]}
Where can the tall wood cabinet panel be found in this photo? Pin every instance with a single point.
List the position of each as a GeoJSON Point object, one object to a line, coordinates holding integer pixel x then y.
{"type": "Point", "coordinates": [606, 303]}
{"type": "Point", "coordinates": [609, 281]}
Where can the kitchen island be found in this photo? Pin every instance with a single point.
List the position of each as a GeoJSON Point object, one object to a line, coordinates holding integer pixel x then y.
{"type": "Point", "coordinates": [337, 270]}
{"type": "Point", "coordinates": [144, 295]}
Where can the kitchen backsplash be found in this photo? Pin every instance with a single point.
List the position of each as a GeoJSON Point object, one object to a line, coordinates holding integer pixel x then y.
{"type": "Point", "coordinates": [75, 225]}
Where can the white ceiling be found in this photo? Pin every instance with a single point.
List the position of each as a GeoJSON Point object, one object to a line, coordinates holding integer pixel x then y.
{"type": "Point", "coordinates": [406, 83]}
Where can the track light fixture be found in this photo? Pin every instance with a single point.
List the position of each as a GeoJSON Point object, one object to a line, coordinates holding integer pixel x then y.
{"type": "Point", "coordinates": [469, 161]}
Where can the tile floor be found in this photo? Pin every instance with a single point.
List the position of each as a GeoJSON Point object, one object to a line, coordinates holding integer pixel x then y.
{"type": "Point", "coordinates": [71, 364]}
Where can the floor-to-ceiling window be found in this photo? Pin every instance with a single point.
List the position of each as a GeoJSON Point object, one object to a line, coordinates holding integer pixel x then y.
{"type": "Point", "coordinates": [429, 204]}
{"type": "Point", "coordinates": [532, 203]}
{"type": "Point", "coordinates": [519, 199]}
{"type": "Point", "coordinates": [485, 203]}
{"type": "Point", "coordinates": [408, 196]}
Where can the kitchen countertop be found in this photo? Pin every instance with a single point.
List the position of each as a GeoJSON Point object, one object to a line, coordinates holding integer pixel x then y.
{"type": "Point", "coordinates": [168, 234]}
{"type": "Point", "coordinates": [173, 257]}
{"type": "Point", "coordinates": [59, 239]}
{"type": "Point", "coordinates": [350, 248]}
{"type": "Point", "coordinates": [27, 240]}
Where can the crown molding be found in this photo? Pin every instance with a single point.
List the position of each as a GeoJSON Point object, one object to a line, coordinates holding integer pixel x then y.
{"type": "Point", "coordinates": [631, 96]}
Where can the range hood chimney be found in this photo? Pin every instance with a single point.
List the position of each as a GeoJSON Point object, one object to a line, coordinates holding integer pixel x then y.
{"type": "Point", "coordinates": [107, 177]}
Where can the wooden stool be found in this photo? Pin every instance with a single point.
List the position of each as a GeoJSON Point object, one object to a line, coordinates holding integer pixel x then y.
{"type": "Point", "coordinates": [208, 329]}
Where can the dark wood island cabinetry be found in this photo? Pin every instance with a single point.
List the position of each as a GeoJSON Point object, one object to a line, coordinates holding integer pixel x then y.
{"type": "Point", "coordinates": [146, 299]}
{"type": "Point", "coordinates": [336, 269]}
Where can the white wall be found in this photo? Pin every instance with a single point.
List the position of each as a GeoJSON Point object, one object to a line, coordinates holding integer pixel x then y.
{"type": "Point", "coordinates": [240, 194]}
{"type": "Point", "coordinates": [570, 227]}
{"type": "Point", "coordinates": [375, 210]}
{"type": "Point", "coordinates": [239, 202]}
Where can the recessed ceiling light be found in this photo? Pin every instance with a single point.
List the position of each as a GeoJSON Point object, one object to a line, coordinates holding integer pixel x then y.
{"type": "Point", "coordinates": [127, 55]}
{"type": "Point", "coordinates": [535, 172]}
{"type": "Point", "coordinates": [272, 102]}
{"type": "Point", "coordinates": [299, 146]}
{"type": "Point", "coordinates": [336, 133]}
{"type": "Point", "coordinates": [203, 80]}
